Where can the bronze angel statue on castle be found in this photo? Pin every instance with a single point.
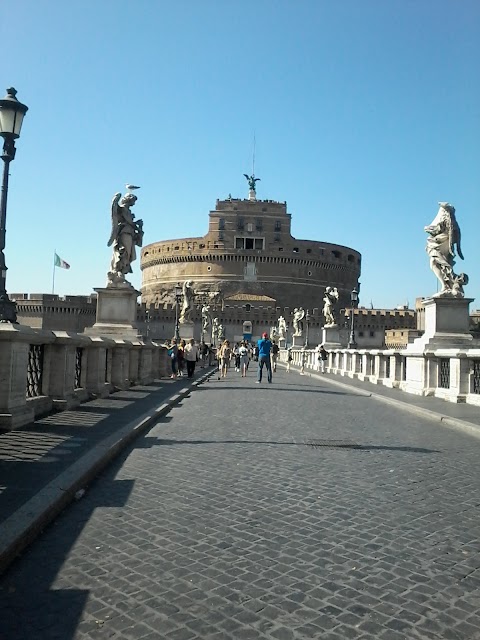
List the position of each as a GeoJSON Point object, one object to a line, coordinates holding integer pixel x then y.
{"type": "Point", "coordinates": [125, 236]}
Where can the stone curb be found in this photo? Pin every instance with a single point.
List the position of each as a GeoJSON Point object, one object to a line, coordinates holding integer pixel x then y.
{"type": "Point", "coordinates": [23, 526]}
{"type": "Point", "coordinates": [455, 423]}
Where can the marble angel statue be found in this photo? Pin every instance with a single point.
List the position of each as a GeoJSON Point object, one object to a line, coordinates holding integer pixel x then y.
{"type": "Point", "coordinates": [444, 238]}
{"type": "Point", "coordinates": [126, 234]}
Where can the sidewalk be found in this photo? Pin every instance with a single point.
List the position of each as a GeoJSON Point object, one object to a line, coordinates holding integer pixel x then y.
{"type": "Point", "coordinates": [465, 417]}
{"type": "Point", "coordinates": [47, 463]}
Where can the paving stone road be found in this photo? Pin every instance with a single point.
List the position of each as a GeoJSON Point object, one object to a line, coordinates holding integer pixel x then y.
{"type": "Point", "coordinates": [224, 523]}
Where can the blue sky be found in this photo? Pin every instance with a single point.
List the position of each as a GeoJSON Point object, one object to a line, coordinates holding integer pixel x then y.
{"type": "Point", "coordinates": [366, 113]}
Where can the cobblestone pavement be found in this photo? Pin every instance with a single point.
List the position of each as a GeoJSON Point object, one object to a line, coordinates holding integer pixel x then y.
{"type": "Point", "coordinates": [224, 523]}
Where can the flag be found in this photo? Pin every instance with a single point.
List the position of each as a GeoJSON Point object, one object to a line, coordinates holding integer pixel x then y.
{"type": "Point", "coordinates": [58, 262]}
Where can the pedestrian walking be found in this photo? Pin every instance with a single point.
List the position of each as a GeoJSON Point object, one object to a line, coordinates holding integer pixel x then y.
{"type": "Point", "coordinates": [225, 355]}
{"type": "Point", "coordinates": [264, 348]}
{"type": "Point", "coordinates": [172, 354]}
{"type": "Point", "coordinates": [191, 357]}
{"type": "Point", "coordinates": [236, 354]}
{"type": "Point", "coordinates": [275, 352]}
{"type": "Point", "coordinates": [322, 357]}
{"type": "Point", "coordinates": [289, 358]}
{"type": "Point", "coordinates": [181, 357]}
{"type": "Point", "coordinates": [243, 354]}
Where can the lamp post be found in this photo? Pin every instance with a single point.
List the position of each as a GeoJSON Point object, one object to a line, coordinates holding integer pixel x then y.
{"type": "Point", "coordinates": [178, 298]}
{"type": "Point", "coordinates": [354, 300]}
{"type": "Point", "coordinates": [307, 321]}
{"type": "Point", "coordinates": [147, 323]}
{"type": "Point", "coordinates": [11, 119]}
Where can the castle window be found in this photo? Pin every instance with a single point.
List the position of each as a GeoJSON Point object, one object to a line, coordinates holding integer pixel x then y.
{"type": "Point", "coordinates": [276, 239]}
{"type": "Point", "coordinates": [240, 224]}
{"type": "Point", "coordinates": [309, 251]}
{"type": "Point", "coordinates": [248, 307]}
{"type": "Point", "coordinates": [336, 253]}
{"type": "Point", "coordinates": [209, 268]}
{"type": "Point", "coordinates": [350, 258]}
{"type": "Point", "coordinates": [220, 235]}
{"type": "Point", "coordinates": [295, 249]}
{"type": "Point", "coordinates": [258, 224]}
{"type": "Point", "coordinates": [309, 273]}
{"type": "Point", "coordinates": [278, 225]}
{"type": "Point", "coordinates": [250, 227]}
{"type": "Point", "coordinates": [360, 334]}
{"type": "Point", "coordinates": [280, 248]}
{"type": "Point", "coordinates": [372, 333]}
{"type": "Point", "coordinates": [221, 223]}
{"type": "Point", "coordinates": [239, 243]}
{"type": "Point", "coordinates": [258, 243]}
{"type": "Point", "coordinates": [248, 243]}
{"type": "Point", "coordinates": [177, 248]}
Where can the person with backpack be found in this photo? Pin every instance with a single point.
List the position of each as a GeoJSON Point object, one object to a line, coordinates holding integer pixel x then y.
{"type": "Point", "coordinates": [322, 357]}
{"type": "Point", "coordinates": [264, 348]}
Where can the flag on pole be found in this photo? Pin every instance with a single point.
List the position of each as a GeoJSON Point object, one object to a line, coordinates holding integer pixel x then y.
{"type": "Point", "coordinates": [58, 262]}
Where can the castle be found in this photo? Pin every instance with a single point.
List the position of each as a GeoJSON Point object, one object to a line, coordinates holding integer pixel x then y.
{"type": "Point", "coordinates": [249, 251]}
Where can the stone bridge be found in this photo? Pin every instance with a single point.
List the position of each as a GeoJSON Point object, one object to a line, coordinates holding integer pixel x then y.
{"type": "Point", "coordinates": [319, 506]}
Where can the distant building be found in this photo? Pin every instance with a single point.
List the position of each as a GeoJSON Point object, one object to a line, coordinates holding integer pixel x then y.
{"type": "Point", "coordinates": [249, 250]}
{"type": "Point", "coordinates": [55, 313]}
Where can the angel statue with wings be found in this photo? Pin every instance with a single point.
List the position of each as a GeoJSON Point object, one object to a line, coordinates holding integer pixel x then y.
{"type": "Point", "coordinates": [298, 316]}
{"type": "Point", "coordinates": [329, 299]}
{"type": "Point", "coordinates": [251, 181]}
{"type": "Point", "coordinates": [188, 305]}
{"type": "Point", "coordinates": [126, 235]}
{"type": "Point", "coordinates": [444, 237]}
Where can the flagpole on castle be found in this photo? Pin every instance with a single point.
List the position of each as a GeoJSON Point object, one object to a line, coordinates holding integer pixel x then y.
{"type": "Point", "coordinates": [53, 277]}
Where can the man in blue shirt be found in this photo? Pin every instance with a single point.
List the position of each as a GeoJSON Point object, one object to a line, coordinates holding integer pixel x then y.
{"type": "Point", "coordinates": [264, 347]}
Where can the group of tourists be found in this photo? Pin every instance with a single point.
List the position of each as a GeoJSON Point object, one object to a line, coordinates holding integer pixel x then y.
{"type": "Point", "coordinates": [265, 352]}
{"type": "Point", "coordinates": [183, 356]}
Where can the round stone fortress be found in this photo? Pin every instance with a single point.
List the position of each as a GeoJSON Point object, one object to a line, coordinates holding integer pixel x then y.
{"type": "Point", "coordinates": [249, 252]}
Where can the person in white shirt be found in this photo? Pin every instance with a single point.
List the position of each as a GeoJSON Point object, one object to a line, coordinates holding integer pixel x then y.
{"type": "Point", "coordinates": [191, 357]}
{"type": "Point", "coordinates": [243, 354]}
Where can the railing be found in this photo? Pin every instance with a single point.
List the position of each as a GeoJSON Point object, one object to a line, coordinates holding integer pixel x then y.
{"type": "Point", "coordinates": [453, 375]}
{"type": "Point", "coordinates": [77, 383]}
{"type": "Point", "coordinates": [34, 371]}
{"type": "Point", "coordinates": [47, 370]}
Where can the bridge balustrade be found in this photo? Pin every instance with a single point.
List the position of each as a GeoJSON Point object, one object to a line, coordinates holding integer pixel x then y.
{"type": "Point", "coordinates": [41, 371]}
{"type": "Point", "coordinates": [451, 374]}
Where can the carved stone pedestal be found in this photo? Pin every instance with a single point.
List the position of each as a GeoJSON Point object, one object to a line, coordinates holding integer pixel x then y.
{"type": "Point", "coordinates": [116, 313]}
{"type": "Point", "coordinates": [298, 341]}
{"type": "Point", "coordinates": [331, 337]}
{"type": "Point", "coordinates": [186, 331]}
{"type": "Point", "coordinates": [447, 324]}
{"type": "Point", "coordinates": [446, 336]}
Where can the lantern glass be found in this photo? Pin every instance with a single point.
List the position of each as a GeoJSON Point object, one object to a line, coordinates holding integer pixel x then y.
{"type": "Point", "coordinates": [11, 115]}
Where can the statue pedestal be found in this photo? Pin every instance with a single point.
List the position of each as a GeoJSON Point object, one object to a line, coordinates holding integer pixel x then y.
{"type": "Point", "coordinates": [447, 323]}
{"type": "Point", "coordinates": [298, 341]}
{"type": "Point", "coordinates": [252, 195]}
{"type": "Point", "coordinates": [331, 337]}
{"type": "Point", "coordinates": [116, 313]}
{"type": "Point", "coordinates": [282, 343]}
{"type": "Point", "coordinates": [186, 330]}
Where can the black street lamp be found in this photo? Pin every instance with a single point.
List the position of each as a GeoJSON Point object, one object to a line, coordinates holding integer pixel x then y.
{"type": "Point", "coordinates": [147, 323]}
{"type": "Point", "coordinates": [354, 300]}
{"type": "Point", "coordinates": [178, 299]}
{"type": "Point", "coordinates": [11, 118]}
{"type": "Point", "coordinates": [307, 321]}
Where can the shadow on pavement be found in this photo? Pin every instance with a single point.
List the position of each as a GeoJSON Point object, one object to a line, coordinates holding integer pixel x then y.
{"type": "Point", "coordinates": [30, 607]}
{"type": "Point", "coordinates": [149, 442]}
